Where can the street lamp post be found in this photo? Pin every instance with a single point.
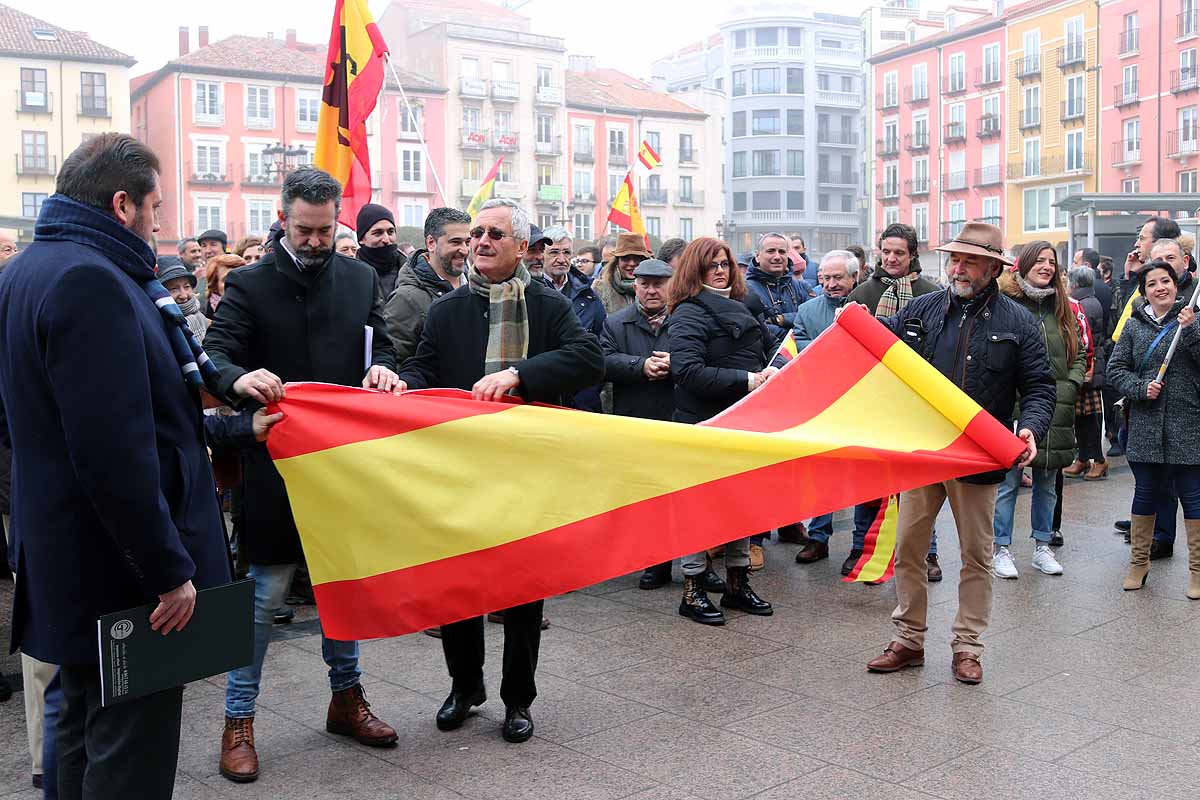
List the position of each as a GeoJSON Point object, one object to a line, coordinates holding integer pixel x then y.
{"type": "Point", "coordinates": [279, 160]}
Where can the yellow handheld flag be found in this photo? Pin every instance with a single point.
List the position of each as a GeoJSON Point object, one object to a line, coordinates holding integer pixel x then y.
{"type": "Point", "coordinates": [484, 192]}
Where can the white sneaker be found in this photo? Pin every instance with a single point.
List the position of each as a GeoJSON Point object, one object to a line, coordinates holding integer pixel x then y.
{"type": "Point", "coordinates": [1003, 564]}
{"type": "Point", "coordinates": [1044, 560]}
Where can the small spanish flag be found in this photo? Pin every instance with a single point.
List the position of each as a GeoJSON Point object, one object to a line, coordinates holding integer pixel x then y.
{"type": "Point", "coordinates": [878, 561]}
{"type": "Point", "coordinates": [477, 535]}
{"type": "Point", "coordinates": [787, 350]}
{"type": "Point", "coordinates": [647, 158]}
{"type": "Point", "coordinates": [484, 192]}
{"type": "Point", "coordinates": [353, 79]}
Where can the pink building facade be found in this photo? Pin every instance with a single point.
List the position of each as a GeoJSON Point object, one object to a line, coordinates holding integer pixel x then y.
{"type": "Point", "coordinates": [212, 112]}
{"type": "Point", "coordinates": [1150, 97]}
{"type": "Point", "coordinates": [939, 130]}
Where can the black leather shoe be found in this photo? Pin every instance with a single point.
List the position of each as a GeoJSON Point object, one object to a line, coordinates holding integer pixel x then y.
{"type": "Point", "coordinates": [1122, 525]}
{"type": "Point", "coordinates": [656, 576]}
{"type": "Point", "coordinates": [695, 604]}
{"type": "Point", "coordinates": [283, 616]}
{"type": "Point", "coordinates": [812, 552]}
{"type": "Point", "coordinates": [712, 582]}
{"type": "Point", "coordinates": [851, 560]}
{"type": "Point", "coordinates": [1056, 539]}
{"type": "Point", "coordinates": [741, 596]}
{"type": "Point", "coordinates": [1161, 550]}
{"type": "Point", "coordinates": [794, 534]}
{"type": "Point", "coordinates": [518, 725]}
{"type": "Point", "coordinates": [457, 708]}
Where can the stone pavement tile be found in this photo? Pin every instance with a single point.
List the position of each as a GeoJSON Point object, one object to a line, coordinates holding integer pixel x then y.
{"type": "Point", "coordinates": [14, 750]}
{"type": "Point", "coordinates": [990, 773]}
{"type": "Point", "coordinates": [690, 691]}
{"type": "Point", "coordinates": [24, 794]}
{"type": "Point", "coordinates": [1141, 605]}
{"type": "Point", "coordinates": [1073, 653]}
{"type": "Point", "coordinates": [568, 654]}
{"type": "Point", "coordinates": [1180, 637]}
{"type": "Point", "coordinates": [614, 585]}
{"type": "Point", "coordinates": [837, 633]}
{"type": "Point", "coordinates": [567, 710]}
{"type": "Point", "coordinates": [1171, 675]}
{"type": "Point", "coordinates": [705, 761]}
{"type": "Point", "coordinates": [1171, 715]}
{"type": "Point", "coordinates": [838, 783]}
{"type": "Point", "coordinates": [556, 775]}
{"type": "Point", "coordinates": [828, 678]}
{"type": "Point", "coordinates": [585, 613]}
{"type": "Point", "coordinates": [663, 600]}
{"type": "Point", "coordinates": [1170, 768]}
{"type": "Point", "coordinates": [662, 793]}
{"type": "Point", "coordinates": [684, 640]}
{"type": "Point", "coordinates": [1034, 731]}
{"type": "Point", "coordinates": [417, 662]}
{"type": "Point", "coordinates": [188, 788]}
{"type": "Point", "coordinates": [891, 750]}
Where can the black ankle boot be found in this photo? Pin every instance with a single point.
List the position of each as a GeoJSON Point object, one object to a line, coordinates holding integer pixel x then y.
{"type": "Point", "coordinates": [656, 576]}
{"type": "Point", "coordinates": [712, 582]}
{"type": "Point", "coordinates": [696, 605]}
{"type": "Point", "coordinates": [739, 594]}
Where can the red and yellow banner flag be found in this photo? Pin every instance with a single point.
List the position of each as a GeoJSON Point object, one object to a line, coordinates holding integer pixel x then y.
{"type": "Point", "coordinates": [484, 192]}
{"type": "Point", "coordinates": [427, 508]}
{"type": "Point", "coordinates": [353, 79]}
{"type": "Point", "coordinates": [877, 564]}
{"type": "Point", "coordinates": [625, 210]}
{"type": "Point", "coordinates": [647, 158]}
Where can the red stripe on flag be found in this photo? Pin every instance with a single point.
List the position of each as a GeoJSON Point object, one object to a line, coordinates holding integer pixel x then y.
{"type": "Point", "coordinates": [870, 544]}
{"type": "Point", "coordinates": [549, 563]}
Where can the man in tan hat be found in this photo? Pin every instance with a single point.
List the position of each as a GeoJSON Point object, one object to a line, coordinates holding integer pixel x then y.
{"type": "Point", "coordinates": [614, 286]}
{"type": "Point", "coordinates": [992, 349]}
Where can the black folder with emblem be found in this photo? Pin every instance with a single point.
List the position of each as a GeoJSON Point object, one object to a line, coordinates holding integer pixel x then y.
{"type": "Point", "coordinates": [136, 661]}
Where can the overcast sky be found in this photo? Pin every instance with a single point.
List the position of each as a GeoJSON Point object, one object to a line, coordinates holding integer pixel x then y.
{"type": "Point", "coordinates": [623, 34]}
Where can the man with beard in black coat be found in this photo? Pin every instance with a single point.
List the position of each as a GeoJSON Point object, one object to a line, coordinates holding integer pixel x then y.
{"type": "Point", "coordinates": [377, 245]}
{"type": "Point", "coordinates": [298, 314]}
{"type": "Point", "coordinates": [502, 333]}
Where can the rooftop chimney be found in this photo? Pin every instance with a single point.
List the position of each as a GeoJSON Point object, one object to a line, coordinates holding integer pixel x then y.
{"type": "Point", "coordinates": [183, 40]}
{"type": "Point", "coordinates": [291, 38]}
{"type": "Point", "coordinates": [203, 36]}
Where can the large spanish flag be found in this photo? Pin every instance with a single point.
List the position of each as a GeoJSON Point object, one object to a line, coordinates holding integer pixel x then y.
{"type": "Point", "coordinates": [353, 79]}
{"type": "Point", "coordinates": [430, 507]}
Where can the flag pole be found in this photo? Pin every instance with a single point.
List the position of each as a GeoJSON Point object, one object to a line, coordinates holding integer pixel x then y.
{"type": "Point", "coordinates": [1175, 339]}
{"type": "Point", "coordinates": [420, 136]}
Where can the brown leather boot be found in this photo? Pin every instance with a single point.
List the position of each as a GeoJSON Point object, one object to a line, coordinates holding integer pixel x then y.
{"type": "Point", "coordinates": [1141, 536]}
{"type": "Point", "coordinates": [896, 657]}
{"type": "Point", "coordinates": [967, 668]}
{"type": "Point", "coordinates": [350, 715]}
{"type": "Point", "coordinates": [239, 761]}
{"type": "Point", "coordinates": [1077, 469]}
{"type": "Point", "coordinates": [1193, 536]}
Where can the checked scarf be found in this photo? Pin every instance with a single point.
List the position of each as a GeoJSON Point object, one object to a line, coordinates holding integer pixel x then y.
{"type": "Point", "coordinates": [896, 296]}
{"type": "Point", "coordinates": [508, 318]}
{"type": "Point", "coordinates": [64, 219]}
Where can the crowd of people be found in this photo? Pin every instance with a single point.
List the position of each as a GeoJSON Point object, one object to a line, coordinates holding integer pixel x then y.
{"type": "Point", "coordinates": [187, 351]}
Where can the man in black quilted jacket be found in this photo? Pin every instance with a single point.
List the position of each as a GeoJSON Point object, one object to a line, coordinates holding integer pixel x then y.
{"type": "Point", "coordinates": [992, 349]}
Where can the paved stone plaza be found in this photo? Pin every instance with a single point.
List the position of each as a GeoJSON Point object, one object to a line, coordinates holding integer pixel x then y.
{"type": "Point", "coordinates": [1089, 693]}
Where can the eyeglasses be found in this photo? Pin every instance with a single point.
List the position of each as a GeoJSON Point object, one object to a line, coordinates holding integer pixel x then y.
{"type": "Point", "coordinates": [495, 234]}
{"type": "Point", "coordinates": [724, 265]}
{"type": "Point", "coordinates": [585, 260]}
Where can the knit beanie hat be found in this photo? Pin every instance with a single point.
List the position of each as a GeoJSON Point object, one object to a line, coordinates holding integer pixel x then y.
{"type": "Point", "coordinates": [368, 215]}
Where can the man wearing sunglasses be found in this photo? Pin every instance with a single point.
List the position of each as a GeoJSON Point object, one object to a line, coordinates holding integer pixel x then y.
{"type": "Point", "coordinates": [501, 333]}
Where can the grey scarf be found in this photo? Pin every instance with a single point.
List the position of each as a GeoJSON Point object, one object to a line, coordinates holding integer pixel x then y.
{"type": "Point", "coordinates": [1034, 293]}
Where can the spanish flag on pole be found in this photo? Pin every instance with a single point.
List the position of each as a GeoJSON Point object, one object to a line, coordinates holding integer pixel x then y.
{"type": "Point", "coordinates": [418, 510]}
{"type": "Point", "coordinates": [484, 192]}
{"type": "Point", "coordinates": [353, 80]}
{"type": "Point", "coordinates": [625, 210]}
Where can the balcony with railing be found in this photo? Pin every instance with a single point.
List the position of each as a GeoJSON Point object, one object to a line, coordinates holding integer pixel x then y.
{"type": "Point", "coordinates": [1031, 117]}
{"type": "Point", "coordinates": [408, 184]}
{"type": "Point", "coordinates": [209, 174]}
{"type": "Point", "coordinates": [768, 52]}
{"type": "Point", "coordinates": [887, 146]}
{"type": "Point", "coordinates": [989, 176]}
{"type": "Point", "coordinates": [829, 97]}
{"type": "Point", "coordinates": [93, 106]}
{"type": "Point", "coordinates": [551, 146]}
{"type": "Point", "coordinates": [36, 165]}
{"type": "Point", "coordinates": [887, 191]}
{"type": "Point", "coordinates": [1125, 94]}
{"type": "Point", "coordinates": [954, 132]}
{"type": "Point", "coordinates": [952, 228]}
{"type": "Point", "coordinates": [1127, 42]}
{"type": "Point", "coordinates": [916, 187]}
{"type": "Point", "coordinates": [550, 193]}
{"type": "Point", "coordinates": [1072, 110]}
{"type": "Point", "coordinates": [692, 198]}
{"type": "Point", "coordinates": [506, 141]}
{"type": "Point", "coordinates": [689, 157]}
{"type": "Point", "coordinates": [584, 155]}
{"type": "Point", "coordinates": [257, 178]}
{"type": "Point", "coordinates": [1072, 54]}
{"type": "Point", "coordinates": [842, 218]}
{"type": "Point", "coordinates": [1051, 167]}
{"type": "Point", "coordinates": [474, 139]}
{"type": "Point", "coordinates": [837, 138]}
{"type": "Point", "coordinates": [886, 100]}
{"type": "Point", "coordinates": [1181, 143]}
{"type": "Point", "coordinates": [510, 189]}
{"type": "Point", "coordinates": [1186, 24]}
{"type": "Point", "coordinates": [35, 102]}
{"type": "Point", "coordinates": [955, 182]}
{"type": "Point", "coordinates": [506, 91]}
{"type": "Point", "coordinates": [827, 54]}
{"type": "Point", "coordinates": [472, 87]}
{"type": "Point", "coordinates": [1184, 80]}
{"type": "Point", "coordinates": [954, 83]}
{"type": "Point", "coordinates": [654, 197]}
{"type": "Point", "coordinates": [1029, 67]}
{"type": "Point", "coordinates": [833, 177]}
{"type": "Point", "coordinates": [586, 196]}
{"type": "Point", "coordinates": [774, 217]}
{"type": "Point", "coordinates": [988, 75]}
{"type": "Point", "coordinates": [991, 221]}
{"type": "Point", "coordinates": [916, 142]}
{"type": "Point", "coordinates": [1127, 152]}
{"type": "Point", "coordinates": [548, 96]}
{"type": "Point", "coordinates": [916, 94]}
{"type": "Point", "coordinates": [618, 157]}
{"type": "Point", "coordinates": [988, 126]}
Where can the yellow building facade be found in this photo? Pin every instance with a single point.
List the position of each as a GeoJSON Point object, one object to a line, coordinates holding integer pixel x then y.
{"type": "Point", "coordinates": [1053, 115]}
{"type": "Point", "coordinates": [63, 88]}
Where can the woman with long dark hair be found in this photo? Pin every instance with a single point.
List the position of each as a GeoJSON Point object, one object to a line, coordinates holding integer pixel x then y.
{"type": "Point", "coordinates": [1038, 286]}
{"type": "Point", "coordinates": [719, 353]}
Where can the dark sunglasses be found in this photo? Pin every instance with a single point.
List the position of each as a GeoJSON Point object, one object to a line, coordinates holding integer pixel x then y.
{"type": "Point", "coordinates": [495, 234]}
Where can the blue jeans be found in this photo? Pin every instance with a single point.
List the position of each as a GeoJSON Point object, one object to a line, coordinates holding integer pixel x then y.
{"type": "Point", "coordinates": [1041, 510]}
{"type": "Point", "coordinates": [1161, 487]}
{"type": "Point", "coordinates": [271, 585]}
{"type": "Point", "coordinates": [821, 528]}
{"type": "Point", "coordinates": [864, 518]}
{"type": "Point", "coordinates": [54, 707]}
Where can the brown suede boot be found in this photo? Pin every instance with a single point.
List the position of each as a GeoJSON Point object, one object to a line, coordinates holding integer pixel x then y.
{"type": "Point", "coordinates": [350, 715]}
{"type": "Point", "coordinates": [1141, 535]}
{"type": "Point", "coordinates": [239, 761]}
{"type": "Point", "coordinates": [1193, 534]}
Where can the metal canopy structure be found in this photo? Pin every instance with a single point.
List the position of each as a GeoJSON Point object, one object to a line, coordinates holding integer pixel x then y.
{"type": "Point", "coordinates": [1104, 212]}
